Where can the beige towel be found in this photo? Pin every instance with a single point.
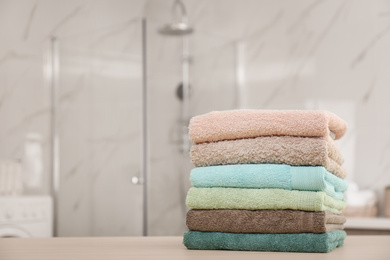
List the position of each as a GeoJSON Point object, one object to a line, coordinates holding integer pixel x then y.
{"type": "Point", "coordinates": [297, 151]}
{"type": "Point", "coordinates": [238, 124]}
{"type": "Point", "coordinates": [264, 221]}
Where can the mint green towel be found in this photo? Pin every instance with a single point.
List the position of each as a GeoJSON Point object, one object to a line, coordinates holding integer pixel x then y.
{"type": "Point", "coordinates": [278, 176]}
{"type": "Point", "coordinates": [254, 199]}
{"type": "Point", "coordinates": [298, 242]}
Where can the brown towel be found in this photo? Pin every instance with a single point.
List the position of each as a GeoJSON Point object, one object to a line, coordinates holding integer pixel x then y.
{"type": "Point", "coordinates": [296, 151]}
{"type": "Point", "coordinates": [239, 124]}
{"type": "Point", "coordinates": [264, 221]}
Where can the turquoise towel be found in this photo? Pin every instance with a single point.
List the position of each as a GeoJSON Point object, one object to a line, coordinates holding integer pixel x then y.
{"type": "Point", "coordinates": [255, 199]}
{"type": "Point", "coordinates": [297, 242]}
{"type": "Point", "coordinates": [262, 176]}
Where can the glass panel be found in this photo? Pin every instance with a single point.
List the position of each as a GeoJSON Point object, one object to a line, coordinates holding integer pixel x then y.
{"type": "Point", "coordinates": [100, 116]}
{"type": "Point", "coordinates": [211, 74]}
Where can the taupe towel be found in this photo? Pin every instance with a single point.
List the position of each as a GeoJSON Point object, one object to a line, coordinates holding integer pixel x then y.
{"type": "Point", "coordinates": [246, 123]}
{"type": "Point", "coordinates": [296, 151]}
{"type": "Point", "coordinates": [264, 221]}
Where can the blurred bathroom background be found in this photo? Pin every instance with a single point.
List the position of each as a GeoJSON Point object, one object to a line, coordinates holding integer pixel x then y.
{"type": "Point", "coordinates": [95, 98]}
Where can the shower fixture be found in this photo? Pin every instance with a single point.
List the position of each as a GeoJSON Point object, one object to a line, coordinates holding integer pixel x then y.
{"type": "Point", "coordinates": [179, 27]}
{"type": "Point", "coordinates": [179, 91]}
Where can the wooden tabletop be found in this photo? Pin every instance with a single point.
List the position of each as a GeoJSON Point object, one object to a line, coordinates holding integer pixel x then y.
{"type": "Point", "coordinates": [355, 248]}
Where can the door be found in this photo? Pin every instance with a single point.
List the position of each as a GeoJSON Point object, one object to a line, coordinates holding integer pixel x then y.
{"type": "Point", "coordinates": [99, 115]}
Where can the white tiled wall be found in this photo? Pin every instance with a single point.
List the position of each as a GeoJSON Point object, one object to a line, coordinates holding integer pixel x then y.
{"type": "Point", "coordinates": [298, 54]}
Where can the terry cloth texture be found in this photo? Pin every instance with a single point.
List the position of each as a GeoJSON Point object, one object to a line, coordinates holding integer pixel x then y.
{"type": "Point", "coordinates": [263, 221]}
{"type": "Point", "coordinates": [279, 176]}
{"type": "Point", "coordinates": [239, 124]}
{"type": "Point", "coordinates": [302, 242]}
{"type": "Point", "coordinates": [254, 199]}
{"type": "Point", "coordinates": [296, 151]}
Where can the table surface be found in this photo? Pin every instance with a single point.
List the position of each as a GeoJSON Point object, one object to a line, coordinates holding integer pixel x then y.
{"type": "Point", "coordinates": [355, 248]}
{"type": "Point", "coordinates": [368, 223]}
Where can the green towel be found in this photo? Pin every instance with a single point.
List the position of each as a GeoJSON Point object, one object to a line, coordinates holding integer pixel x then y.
{"type": "Point", "coordinates": [271, 176]}
{"type": "Point", "coordinates": [254, 199]}
{"type": "Point", "coordinates": [298, 242]}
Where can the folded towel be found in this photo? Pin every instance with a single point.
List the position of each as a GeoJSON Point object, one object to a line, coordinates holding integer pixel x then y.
{"type": "Point", "coordinates": [238, 124]}
{"type": "Point", "coordinates": [280, 176]}
{"type": "Point", "coordinates": [303, 242]}
{"type": "Point", "coordinates": [253, 199]}
{"type": "Point", "coordinates": [297, 151]}
{"type": "Point", "coordinates": [264, 221]}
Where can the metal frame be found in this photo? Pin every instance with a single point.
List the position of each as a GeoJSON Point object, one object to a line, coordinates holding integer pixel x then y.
{"type": "Point", "coordinates": [145, 143]}
{"type": "Point", "coordinates": [53, 78]}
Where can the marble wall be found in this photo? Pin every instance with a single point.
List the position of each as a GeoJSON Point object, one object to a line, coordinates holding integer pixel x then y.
{"type": "Point", "coordinates": [304, 54]}
{"type": "Point", "coordinates": [99, 106]}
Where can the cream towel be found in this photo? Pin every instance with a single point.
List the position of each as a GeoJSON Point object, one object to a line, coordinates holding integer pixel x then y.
{"type": "Point", "coordinates": [239, 124]}
{"type": "Point", "coordinates": [296, 151]}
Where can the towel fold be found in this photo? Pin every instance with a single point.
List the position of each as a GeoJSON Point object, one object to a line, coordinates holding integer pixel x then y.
{"type": "Point", "coordinates": [280, 176]}
{"type": "Point", "coordinates": [303, 242]}
{"type": "Point", "coordinates": [263, 221]}
{"type": "Point", "coordinates": [254, 199]}
{"type": "Point", "coordinates": [296, 151]}
{"type": "Point", "coordinates": [239, 124]}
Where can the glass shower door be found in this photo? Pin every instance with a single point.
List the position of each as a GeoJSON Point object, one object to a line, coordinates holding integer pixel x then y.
{"type": "Point", "coordinates": [212, 82]}
{"type": "Point", "coordinates": [100, 132]}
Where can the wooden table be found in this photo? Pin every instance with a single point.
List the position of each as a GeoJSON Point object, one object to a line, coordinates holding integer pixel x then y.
{"type": "Point", "coordinates": [355, 248]}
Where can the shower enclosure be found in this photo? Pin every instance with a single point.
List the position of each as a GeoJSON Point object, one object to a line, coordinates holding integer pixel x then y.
{"type": "Point", "coordinates": [98, 115]}
{"type": "Point", "coordinates": [120, 144]}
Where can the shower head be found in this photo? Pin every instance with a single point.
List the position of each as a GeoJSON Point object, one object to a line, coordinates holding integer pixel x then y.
{"type": "Point", "coordinates": [179, 26]}
{"type": "Point", "coordinates": [176, 29]}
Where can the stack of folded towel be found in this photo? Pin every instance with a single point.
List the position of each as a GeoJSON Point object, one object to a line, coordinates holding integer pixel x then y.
{"type": "Point", "coordinates": [266, 181]}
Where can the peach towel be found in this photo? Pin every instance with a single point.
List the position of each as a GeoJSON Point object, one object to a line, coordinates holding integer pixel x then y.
{"type": "Point", "coordinates": [238, 124]}
{"type": "Point", "coordinates": [296, 151]}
